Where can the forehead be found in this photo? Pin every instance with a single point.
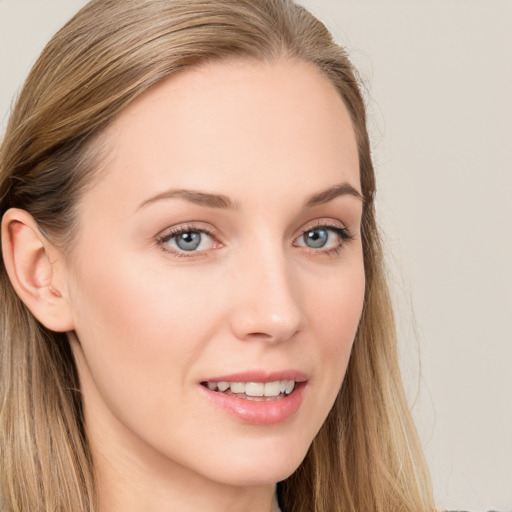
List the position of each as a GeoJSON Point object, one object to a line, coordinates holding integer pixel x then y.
{"type": "Point", "coordinates": [231, 125]}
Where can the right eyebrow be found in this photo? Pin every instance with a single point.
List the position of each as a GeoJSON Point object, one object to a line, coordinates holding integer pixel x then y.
{"type": "Point", "coordinates": [194, 196]}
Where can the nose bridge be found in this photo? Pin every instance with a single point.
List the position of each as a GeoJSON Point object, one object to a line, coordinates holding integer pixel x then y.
{"type": "Point", "coordinates": [269, 304]}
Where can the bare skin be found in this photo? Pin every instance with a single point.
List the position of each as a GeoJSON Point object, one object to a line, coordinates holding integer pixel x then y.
{"type": "Point", "coordinates": [210, 248]}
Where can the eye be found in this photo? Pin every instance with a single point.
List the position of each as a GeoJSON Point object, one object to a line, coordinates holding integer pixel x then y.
{"type": "Point", "coordinates": [187, 240]}
{"type": "Point", "coordinates": [316, 238]}
{"type": "Point", "coordinates": [324, 238]}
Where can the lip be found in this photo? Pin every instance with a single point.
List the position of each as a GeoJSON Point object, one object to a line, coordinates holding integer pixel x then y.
{"type": "Point", "coordinates": [260, 376]}
{"type": "Point", "coordinates": [252, 412]}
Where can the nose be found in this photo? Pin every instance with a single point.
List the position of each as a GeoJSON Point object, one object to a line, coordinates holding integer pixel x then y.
{"type": "Point", "coordinates": [268, 303]}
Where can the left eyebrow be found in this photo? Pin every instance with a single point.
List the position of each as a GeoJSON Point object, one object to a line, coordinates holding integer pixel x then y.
{"type": "Point", "coordinates": [342, 189]}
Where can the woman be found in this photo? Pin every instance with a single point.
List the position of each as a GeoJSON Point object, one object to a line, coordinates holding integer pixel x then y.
{"type": "Point", "coordinates": [194, 303]}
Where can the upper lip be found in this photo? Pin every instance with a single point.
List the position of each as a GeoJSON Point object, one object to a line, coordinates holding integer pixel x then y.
{"type": "Point", "coordinates": [260, 376]}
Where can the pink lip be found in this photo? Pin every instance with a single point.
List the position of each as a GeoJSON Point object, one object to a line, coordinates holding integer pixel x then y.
{"type": "Point", "coordinates": [259, 412]}
{"type": "Point", "coordinates": [260, 376]}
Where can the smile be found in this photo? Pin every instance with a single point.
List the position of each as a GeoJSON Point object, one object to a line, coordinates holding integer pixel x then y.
{"type": "Point", "coordinates": [257, 391]}
{"type": "Point", "coordinates": [257, 397]}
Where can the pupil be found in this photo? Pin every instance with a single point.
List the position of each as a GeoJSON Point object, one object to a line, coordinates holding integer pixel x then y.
{"type": "Point", "coordinates": [316, 238]}
{"type": "Point", "coordinates": [188, 241]}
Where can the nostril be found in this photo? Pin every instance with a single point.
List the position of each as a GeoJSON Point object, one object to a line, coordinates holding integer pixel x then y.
{"type": "Point", "coordinates": [273, 334]}
{"type": "Point", "coordinates": [259, 335]}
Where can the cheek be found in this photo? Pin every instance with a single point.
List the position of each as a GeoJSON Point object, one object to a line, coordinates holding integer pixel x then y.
{"type": "Point", "coordinates": [135, 328]}
{"type": "Point", "coordinates": [138, 303]}
{"type": "Point", "coordinates": [334, 315]}
{"type": "Point", "coordinates": [335, 308]}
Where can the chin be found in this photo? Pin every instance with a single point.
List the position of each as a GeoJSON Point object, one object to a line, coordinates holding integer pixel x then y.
{"type": "Point", "coordinates": [267, 466]}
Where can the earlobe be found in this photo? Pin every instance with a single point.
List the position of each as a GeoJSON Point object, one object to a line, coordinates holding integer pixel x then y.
{"type": "Point", "coordinates": [33, 265]}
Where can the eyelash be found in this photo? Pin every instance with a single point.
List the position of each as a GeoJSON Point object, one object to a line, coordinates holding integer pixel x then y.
{"type": "Point", "coordinates": [343, 233]}
{"type": "Point", "coordinates": [181, 230]}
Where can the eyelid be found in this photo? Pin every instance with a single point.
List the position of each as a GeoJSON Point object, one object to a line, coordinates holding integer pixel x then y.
{"type": "Point", "coordinates": [167, 234]}
{"type": "Point", "coordinates": [332, 224]}
{"type": "Point", "coordinates": [338, 227]}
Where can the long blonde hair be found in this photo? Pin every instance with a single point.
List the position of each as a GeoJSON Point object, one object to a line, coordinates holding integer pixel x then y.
{"type": "Point", "coordinates": [367, 456]}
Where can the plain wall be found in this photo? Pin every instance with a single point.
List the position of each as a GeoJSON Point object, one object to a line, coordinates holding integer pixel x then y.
{"type": "Point", "coordinates": [439, 82]}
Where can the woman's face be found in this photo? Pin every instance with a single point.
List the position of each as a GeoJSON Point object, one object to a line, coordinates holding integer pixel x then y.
{"type": "Point", "coordinates": [218, 259]}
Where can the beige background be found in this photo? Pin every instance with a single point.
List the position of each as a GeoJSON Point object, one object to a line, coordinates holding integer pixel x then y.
{"type": "Point", "coordinates": [439, 75]}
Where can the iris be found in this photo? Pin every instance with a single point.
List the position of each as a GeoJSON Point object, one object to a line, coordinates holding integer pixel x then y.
{"type": "Point", "coordinates": [316, 238]}
{"type": "Point", "coordinates": [189, 241]}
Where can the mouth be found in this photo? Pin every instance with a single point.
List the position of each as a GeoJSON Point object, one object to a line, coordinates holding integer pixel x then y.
{"type": "Point", "coordinates": [253, 391]}
{"type": "Point", "coordinates": [257, 397]}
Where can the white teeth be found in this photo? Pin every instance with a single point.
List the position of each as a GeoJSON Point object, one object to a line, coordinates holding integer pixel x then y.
{"type": "Point", "coordinates": [223, 386]}
{"type": "Point", "coordinates": [272, 388]}
{"type": "Point", "coordinates": [237, 387]}
{"type": "Point", "coordinates": [289, 387]}
{"type": "Point", "coordinates": [255, 389]}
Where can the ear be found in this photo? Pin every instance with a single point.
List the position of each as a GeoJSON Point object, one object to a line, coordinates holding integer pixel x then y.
{"type": "Point", "coordinates": [35, 268]}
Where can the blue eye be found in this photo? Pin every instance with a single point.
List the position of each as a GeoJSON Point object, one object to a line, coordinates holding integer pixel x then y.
{"type": "Point", "coordinates": [316, 238]}
{"type": "Point", "coordinates": [183, 240]}
{"type": "Point", "coordinates": [188, 241]}
{"type": "Point", "coordinates": [324, 238]}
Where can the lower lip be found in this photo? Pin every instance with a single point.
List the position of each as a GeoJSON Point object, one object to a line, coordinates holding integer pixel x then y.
{"type": "Point", "coordinates": [254, 412]}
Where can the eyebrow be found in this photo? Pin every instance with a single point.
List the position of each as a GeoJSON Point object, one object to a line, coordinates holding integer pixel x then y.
{"type": "Point", "coordinates": [343, 189]}
{"type": "Point", "coordinates": [224, 202]}
{"type": "Point", "coordinates": [196, 197]}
